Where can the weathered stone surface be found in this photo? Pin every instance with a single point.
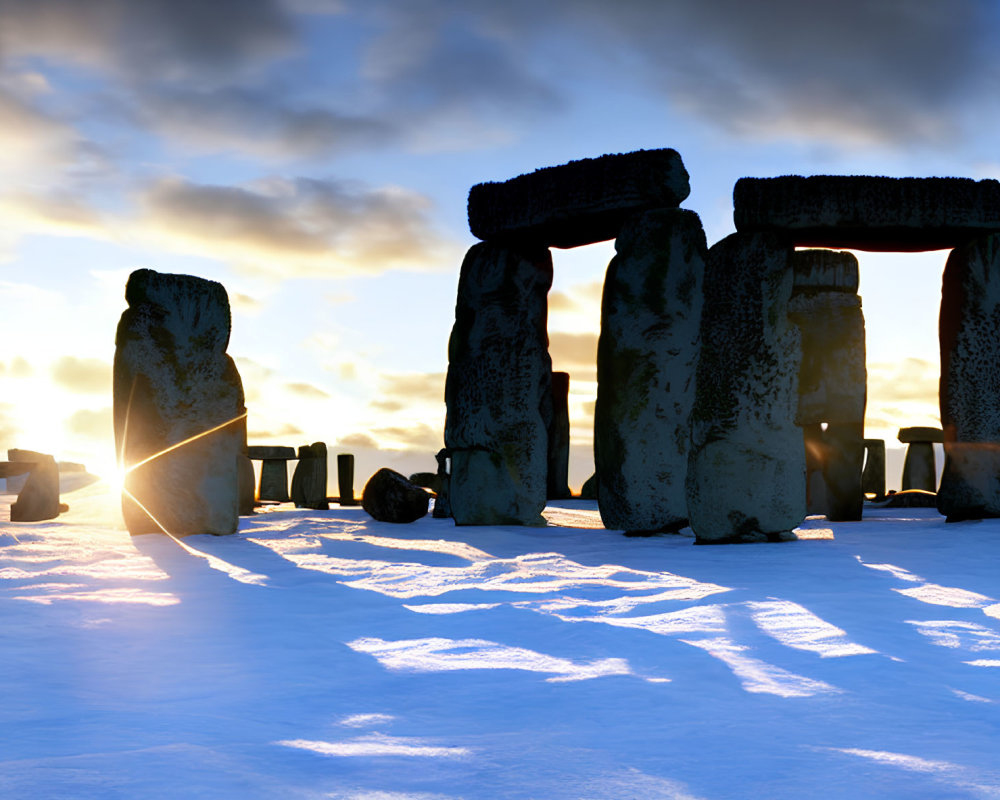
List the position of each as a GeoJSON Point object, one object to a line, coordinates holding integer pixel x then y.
{"type": "Point", "coordinates": [970, 381]}
{"type": "Point", "coordinates": [498, 390]}
{"type": "Point", "coordinates": [558, 483]}
{"type": "Point", "coordinates": [580, 202]}
{"type": "Point", "coordinates": [426, 480]}
{"type": "Point", "coordinates": [869, 213]}
{"type": "Point", "coordinates": [589, 489]}
{"type": "Point", "coordinates": [921, 434]}
{"type": "Point", "coordinates": [845, 455]}
{"type": "Point", "coordinates": [309, 478]}
{"type": "Point", "coordinates": [825, 271]}
{"type": "Point", "coordinates": [274, 479]}
{"type": "Point", "coordinates": [746, 470]}
{"type": "Point", "coordinates": [345, 480]}
{"type": "Point", "coordinates": [179, 412]}
{"type": "Point", "coordinates": [832, 376]}
{"type": "Point", "coordinates": [38, 499]}
{"type": "Point", "coordinates": [873, 475]}
{"type": "Point", "coordinates": [816, 499]}
{"type": "Point", "coordinates": [646, 361]}
{"type": "Point", "coordinates": [390, 497]}
{"type": "Point", "coordinates": [262, 452]}
{"type": "Point", "coordinates": [920, 467]}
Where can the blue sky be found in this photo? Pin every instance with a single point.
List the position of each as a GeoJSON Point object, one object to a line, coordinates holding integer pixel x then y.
{"type": "Point", "coordinates": [315, 157]}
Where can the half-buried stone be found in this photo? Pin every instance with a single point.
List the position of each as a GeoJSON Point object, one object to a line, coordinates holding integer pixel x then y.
{"type": "Point", "coordinates": [646, 361]}
{"type": "Point", "coordinates": [179, 414]}
{"type": "Point", "coordinates": [746, 470]}
{"type": "Point", "coordinates": [498, 390]}
{"type": "Point", "coordinates": [970, 382]}
{"type": "Point", "coordinates": [390, 497]}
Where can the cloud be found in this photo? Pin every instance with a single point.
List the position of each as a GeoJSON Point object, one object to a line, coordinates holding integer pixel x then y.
{"type": "Point", "coordinates": [286, 430]}
{"type": "Point", "coordinates": [19, 368]}
{"type": "Point", "coordinates": [306, 390]}
{"type": "Point", "coordinates": [571, 351]}
{"type": "Point", "coordinates": [161, 39]}
{"type": "Point", "coordinates": [85, 375]}
{"type": "Point", "coordinates": [399, 391]}
{"type": "Point", "coordinates": [415, 437]}
{"type": "Point", "coordinates": [359, 440]}
{"type": "Point", "coordinates": [91, 424]}
{"type": "Point", "coordinates": [911, 379]}
{"type": "Point", "coordinates": [303, 227]}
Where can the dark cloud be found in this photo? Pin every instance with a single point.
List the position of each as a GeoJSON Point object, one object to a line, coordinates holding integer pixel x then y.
{"type": "Point", "coordinates": [152, 39]}
{"type": "Point", "coordinates": [88, 375]}
{"type": "Point", "coordinates": [306, 390]}
{"type": "Point", "coordinates": [91, 424]}
{"type": "Point", "coordinates": [296, 227]}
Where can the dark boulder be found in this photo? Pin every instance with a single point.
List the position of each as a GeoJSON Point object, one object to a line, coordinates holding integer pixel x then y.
{"type": "Point", "coordinates": [390, 497]}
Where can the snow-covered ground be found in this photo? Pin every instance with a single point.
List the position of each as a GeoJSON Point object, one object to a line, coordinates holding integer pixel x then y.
{"type": "Point", "coordinates": [321, 654]}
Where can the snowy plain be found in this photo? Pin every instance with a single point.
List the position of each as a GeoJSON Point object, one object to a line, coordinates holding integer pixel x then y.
{"type": "Point", "coordinates": [324, 655]}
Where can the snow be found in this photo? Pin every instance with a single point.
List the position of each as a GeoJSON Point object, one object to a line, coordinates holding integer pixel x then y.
{"type": "Point", "coordinates": [324, 655]}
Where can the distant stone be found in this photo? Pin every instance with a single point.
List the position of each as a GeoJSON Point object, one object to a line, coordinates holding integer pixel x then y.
{"type": "Point", "coordinates": [179, 413]}
{"type": "Point", "coordinates": [427, 480]}
{"type": "Point", "coordinates": [247, 489]}
{"type": "Point", "coordinates": [920, 467]}
{"type": "Point", "coordinates": [263, 452]}
{"type": "Point", "coordinates": [589, 489]}
{"type": "Point", "coordinates": [310, 477]}
{"type": "Point", "coordinates": [577, 203]}
{"type": "Point", "coordinates": [345, 480]}
{"type": "Point", "coordinates": [970, 382]}
{"type": "Point", "coordinates": [921, 434]}
{"type": "Point", "coordinates": [390, 497]}
{"type": "Point", "coordinates": [873, 475]}
{"type": "Point", "coordinates": [498, 389]}
{"type": "Point", "coordinates": [558, 480]}
{"type": "Point", "coordinates": [442, 503]}
{"type": "Point", "coordinates": [38, 499]}
{"type": "Point", "coordinates": [746, 470]}
{"type": "Point", "coordinates": [869, 213]}
{"type": "Point", "coordinates": [647, 357]}
{"type": "Point", "coordinates": [911, 498]}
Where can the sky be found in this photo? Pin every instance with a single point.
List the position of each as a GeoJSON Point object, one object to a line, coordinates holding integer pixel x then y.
{"type": "Point", "coordinates": [314, 156]}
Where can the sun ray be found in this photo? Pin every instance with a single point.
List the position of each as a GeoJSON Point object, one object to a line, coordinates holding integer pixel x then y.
{"type": "Point", "coordinates": [190, 439]}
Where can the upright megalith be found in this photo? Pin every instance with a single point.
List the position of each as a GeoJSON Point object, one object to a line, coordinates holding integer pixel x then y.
{"type": "Point", "coordinates": [38, 498]}
{"type": "Point", "coordinates": [580, 202]}
{"type": "Point", "coordinates": [869, 213]}
{"type": "Point", "coordinates": [309, 478]}
{"type": "Point", "coordinates": [970, 381]}
{"type": "Point", "coordinates": [179, 415]}
{"type": "Point", "coordinates": [920, 465]}
{"type": "Point", "coordinates": [273, 470]}
{"type": "Point", "coordinates": [873, 475]}
{"type": "Point", "coordinates": [558, 488]}
{"type": "Point", "coordinates": [498, 391]}
{"type": "Point", "coordinates": [832, 387]}
{"type": "Point", "coordinates": [646, 360]}
{"type": "Point", "coordinates": [746, 469]}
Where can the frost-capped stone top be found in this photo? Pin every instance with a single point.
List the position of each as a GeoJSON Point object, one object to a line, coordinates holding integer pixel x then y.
{"type": "Point", "coordinates": [578, 203]}
{"type": "Point", "coordinates": [869, 213]}
{"type": "Point", "coordinates": [824, 271]}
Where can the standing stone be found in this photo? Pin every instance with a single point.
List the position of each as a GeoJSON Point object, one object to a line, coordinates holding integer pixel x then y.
{"type": "Point", "coordinates": [970, 381]}
{"type": "Point", "coordinates": [646, 361]}
{"type": "Point", "coordinates": [38, 498]}
{"type": "Point", "coordinates": [178, 407]}
{"type": "Point", "coordinates": [273, 471]}
{"type": "Point", "coordinates": [746, 471]}
{"type": "Point", "coordinates": [309, 478]}
{"type": "Point", "coordinates": [832, 377]}
{"type": "Point", "coordinates": [873, 476]}
{"type": "Point", "coordinates": [498, 388]}
{"type": "Point", "coordinates": [816, 456]}
{"type": "Point", "coordinates": [247, 487]}
{"type": "Point", "coordinates": [920, 466]}
{"type": "Point", "coordinates": [345, 479]}
{"type": "Point", "coordinates": [558, 486]}
{"type": "Point", "coordinates": [442, 503]}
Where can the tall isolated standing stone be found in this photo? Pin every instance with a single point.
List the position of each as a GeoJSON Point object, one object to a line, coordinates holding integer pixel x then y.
{"type": "Point", "coordinates": [179, 414]}
{"type": "Point", "coordinates": [970, 381]}
{"type": "Point", "coordinates": [498, 390]}
{"type": "Point", "coordinates": [832, 378]}
{"type": "Point", "coordinates": [646, 360]}
{"type": "Point", "coordinates": [746, 471]}
{"type": "Point", "coordinates": [558, 488]}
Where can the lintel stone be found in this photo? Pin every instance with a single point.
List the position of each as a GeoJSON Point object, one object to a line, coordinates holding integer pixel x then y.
{"type": "Point", "coordinates": [262, 452]}
{"type": "Point", "coordinates": [920, 434]}
{"type": "Point", "coordinates": [869, 213]}
{"type": "Point", "coordinates": [578, 203]}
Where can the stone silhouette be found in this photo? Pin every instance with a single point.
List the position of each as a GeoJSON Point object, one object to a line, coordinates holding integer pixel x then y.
{"type": "Point", "coordinates": [646, 361]}
{"type": "Point", "coordinates": [580, 202]}
{"type": "Point", "coordinates": [873, 475]}
{"type": "Point", "coordinates": [390, 497]}
{"type": "Point", "coordinates": [832, 379]}
{"type": "Point", "coordinates": [38, 498]}
{"type": "Point", "coordinates": [273, 471]}
{"type": "Point", "coordinates": [345, 480]}
{"type": "Point", "coordinates": [558, 480]}
{"type": "Point", "coordinates": [746, 470]}
{"type": "Point", "coordinates": [179, 413]}
{"type": "Point", "coordinates": [498, 390]}
{"type": "Point", "coordinates": [309, 478]}
{"type": "Point", "coordinates": [920, 466]}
